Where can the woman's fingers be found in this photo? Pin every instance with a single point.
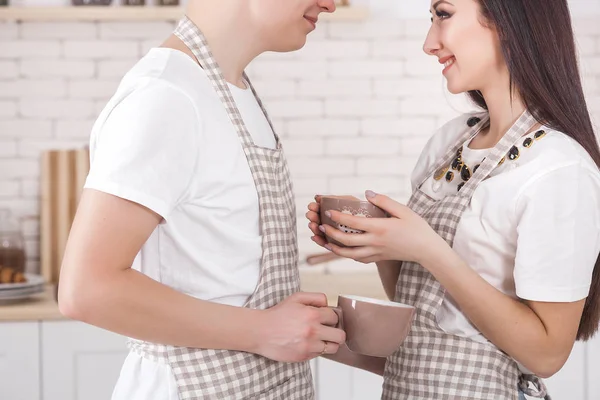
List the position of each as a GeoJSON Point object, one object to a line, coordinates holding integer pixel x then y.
{"type": "Point", "coordinates": [347, 239]}
{"type": "Point", "coordinates": [360, 254]}
{"type": "Point", "coordinates": [320, 240]}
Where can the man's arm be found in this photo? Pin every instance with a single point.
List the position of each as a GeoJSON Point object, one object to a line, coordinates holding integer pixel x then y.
{"type": "Point", "coordinates": [97, 286]}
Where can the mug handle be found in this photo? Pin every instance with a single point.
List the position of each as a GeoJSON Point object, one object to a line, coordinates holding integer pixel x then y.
{"type": "Point", "coordinates": [338, 311]}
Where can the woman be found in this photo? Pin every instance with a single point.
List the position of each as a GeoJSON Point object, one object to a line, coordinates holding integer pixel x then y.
{"type": "Point", "coordinates": [498, 245]}
{"type": "Point", "coordinates": [178, 242]}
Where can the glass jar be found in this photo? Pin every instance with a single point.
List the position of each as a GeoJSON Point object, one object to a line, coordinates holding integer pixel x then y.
{"type": "Point", "coordinates": [12, 243]}
{"type": "Point", "coordinates": [91, 2]}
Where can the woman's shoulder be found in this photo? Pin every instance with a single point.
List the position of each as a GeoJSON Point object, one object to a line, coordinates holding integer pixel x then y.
{"type": "Point", "coordinates": [553, 166]}
{"type": "Point", "coordinates": [551, 149]}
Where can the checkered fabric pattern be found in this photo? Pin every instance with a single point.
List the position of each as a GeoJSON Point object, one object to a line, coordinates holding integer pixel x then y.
{"type": "Point", "coordinates": [432, 364]}
{"type": "Point", "coordinates": [224, 374]}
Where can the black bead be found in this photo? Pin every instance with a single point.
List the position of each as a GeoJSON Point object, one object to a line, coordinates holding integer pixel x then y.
{"type": "Point", "coordinates": [527, 142]}
{"type": "Point", "coordinates": [450, 176]}
{"type": "Point", "coordinates": [465, 173]}
{"type": "Point", "coordinates": [539, 134]}
{"type": "Point", "coordinates": [473, 121]}
{"type": "Point", "coordinates": [457, 164]}
{"type": "Point", "coordinates": [513, 153]}
{"type": "Point", "coordinates": [460, 186]}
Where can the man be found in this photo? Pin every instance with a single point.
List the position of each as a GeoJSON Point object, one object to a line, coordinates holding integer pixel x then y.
{"type": "Point", "coordinates": [185, 236]}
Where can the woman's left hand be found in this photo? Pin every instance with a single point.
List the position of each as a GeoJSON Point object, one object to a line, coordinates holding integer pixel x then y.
{"type": "Point", "coordinates": [405, 236]}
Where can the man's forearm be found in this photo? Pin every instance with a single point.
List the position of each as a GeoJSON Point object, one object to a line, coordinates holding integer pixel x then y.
{"type": "Point", "coordinates": [131, 304]}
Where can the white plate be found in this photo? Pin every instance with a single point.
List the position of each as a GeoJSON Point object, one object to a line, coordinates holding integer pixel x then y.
{"type": "Point", "coordinates": [33, 280]}
{"type": "Point", "coordinates": [10, 292]}
{"type": "Point", "coordinates": [20, 294]}
{"type": "Point", "coordinates": [31, 289]}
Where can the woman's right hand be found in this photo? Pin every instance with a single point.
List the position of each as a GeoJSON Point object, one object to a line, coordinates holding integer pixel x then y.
{"type": "Point", "coordinates": [315, 221]}
{"type": "Point", "coordinates": [298, 329]}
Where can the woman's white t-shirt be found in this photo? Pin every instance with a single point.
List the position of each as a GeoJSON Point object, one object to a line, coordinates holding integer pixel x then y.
{"type": "Point", "coordinates": [165, 141]}
{"type": "Point", "coordinates": [532, 229]}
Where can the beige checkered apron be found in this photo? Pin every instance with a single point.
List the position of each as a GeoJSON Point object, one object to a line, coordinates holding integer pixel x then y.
{"type": "Point", "coordinates": [432, 364]}
{"type": "Point", "coordinates": [224, 374]}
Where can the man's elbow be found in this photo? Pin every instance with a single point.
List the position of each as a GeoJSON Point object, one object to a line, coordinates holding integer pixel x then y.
{"type": "Point", "coordinates": [76, 298]}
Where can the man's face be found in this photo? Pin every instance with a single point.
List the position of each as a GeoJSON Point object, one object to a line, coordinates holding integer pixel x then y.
{"type": "Point", "coordinates": [284, 24]}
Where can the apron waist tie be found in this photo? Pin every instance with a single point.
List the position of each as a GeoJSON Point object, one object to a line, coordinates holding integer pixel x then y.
{"type": "Point", "coordinates": [538, 390]}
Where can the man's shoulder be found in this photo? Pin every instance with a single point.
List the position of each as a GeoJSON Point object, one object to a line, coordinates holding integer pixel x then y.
{"type": "Point", "coordinates": [171, 71]}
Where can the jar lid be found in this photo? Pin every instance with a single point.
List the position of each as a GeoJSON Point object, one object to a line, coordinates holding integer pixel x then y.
{"type": "Point", "coordinates": [8, 222]}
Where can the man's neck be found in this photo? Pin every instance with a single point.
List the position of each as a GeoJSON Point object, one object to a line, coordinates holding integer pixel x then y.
{"type": "Point", "coordinates": [232, 40]}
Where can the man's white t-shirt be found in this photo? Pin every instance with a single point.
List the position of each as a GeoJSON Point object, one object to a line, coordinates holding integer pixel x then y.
{"type": "Point", "coordinates": [532, 229]}
{"type": "Point", "coordinates": [165, 141]}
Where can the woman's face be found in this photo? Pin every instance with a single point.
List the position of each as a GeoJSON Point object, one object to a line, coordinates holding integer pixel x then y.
{"type": "Point", "coordinates": [284, 24]}
{"type": "Point", "coordinates": [468, 50]}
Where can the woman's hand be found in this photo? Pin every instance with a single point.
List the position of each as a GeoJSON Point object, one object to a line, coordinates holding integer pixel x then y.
{"type": "Point", "coordinates": [405, 236]}
{"type": "Point", "coordinates": [315, 221]}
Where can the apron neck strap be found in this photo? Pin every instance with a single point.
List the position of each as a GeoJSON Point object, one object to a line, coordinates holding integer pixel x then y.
{"type": "Point", "coordinates": [521, 126]}
{"type": "Point", "coordinates": [195, 40]}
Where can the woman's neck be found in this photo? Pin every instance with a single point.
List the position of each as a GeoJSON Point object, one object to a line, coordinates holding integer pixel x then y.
{"type": "Point", "coordinates": [504, 110]}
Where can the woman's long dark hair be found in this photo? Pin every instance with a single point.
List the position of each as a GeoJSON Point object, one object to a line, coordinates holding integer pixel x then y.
{"type": "Point", "coordinates": [538, 45]}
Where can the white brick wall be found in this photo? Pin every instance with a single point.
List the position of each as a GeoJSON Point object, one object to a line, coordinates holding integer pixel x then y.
{"type": "Point", "coordinates": [354, 107]}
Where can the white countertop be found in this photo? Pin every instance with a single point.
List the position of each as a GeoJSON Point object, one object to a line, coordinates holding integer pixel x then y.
{"type": "Point", "coordinates": [367, 284]}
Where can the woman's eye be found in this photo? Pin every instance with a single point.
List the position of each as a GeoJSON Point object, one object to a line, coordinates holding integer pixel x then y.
{"type": "Point", "coordinates": [441, 14]}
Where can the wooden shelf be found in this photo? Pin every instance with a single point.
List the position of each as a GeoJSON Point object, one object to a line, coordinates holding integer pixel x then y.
{"type": "Point", "coordinates": [133, 13]}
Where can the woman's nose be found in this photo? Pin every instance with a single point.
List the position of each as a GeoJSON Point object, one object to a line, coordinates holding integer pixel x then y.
{"type": "Point", "coordinates": [432, 43]}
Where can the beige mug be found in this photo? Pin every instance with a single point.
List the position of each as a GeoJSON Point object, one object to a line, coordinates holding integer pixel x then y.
{"type": "Point", "coordinates": [347, 205]}
{"type": "Point", "coordinates": [373, 327]}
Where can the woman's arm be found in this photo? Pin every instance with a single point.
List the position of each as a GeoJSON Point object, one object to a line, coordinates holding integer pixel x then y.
{"type": "Point", "coordinates": [344, 356]}
{"type": "Point", "coordinates": [389, 271]}
{"type": "Point", "coordinates": [540, 335]}
{"type": "Point", "coordinates": [537, 334]}
{"type": "Point", "coordinates": [98, 286]}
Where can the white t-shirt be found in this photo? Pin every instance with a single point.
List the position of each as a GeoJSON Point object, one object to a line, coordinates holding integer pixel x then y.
{"type": "Point", "coordinates": [532, 230]}
{"type": "Point", "coordinates": [165, 141]}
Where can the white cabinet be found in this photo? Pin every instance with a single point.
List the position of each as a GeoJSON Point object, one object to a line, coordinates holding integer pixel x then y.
{"type": "Point", "coordinates": [366, 385]}
{"type": "Point", "coordinates": [337, 381]}
{"type": "Point", "coordinates": [592, 375]}
{"type": "Point", "coordinates": [79, 361]}
{"type": "Point", "coordinates": [67, 360]}
{"type": "Point", "coordinates": [569, 382]}
{"type": "Point", "coordinates": [19, 361]}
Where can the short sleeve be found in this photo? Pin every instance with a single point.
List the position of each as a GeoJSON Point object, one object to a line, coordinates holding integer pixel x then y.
{"type": "Point", "coordinates": [558, 235]}
{"type": "Point", "coordinates": [146, 149]}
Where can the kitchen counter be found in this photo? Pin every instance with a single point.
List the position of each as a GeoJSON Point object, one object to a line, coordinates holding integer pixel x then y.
{"type": "Point", "coordinates": [367, 284]}
{"type": "Point", "coordinates": [39, 307]}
